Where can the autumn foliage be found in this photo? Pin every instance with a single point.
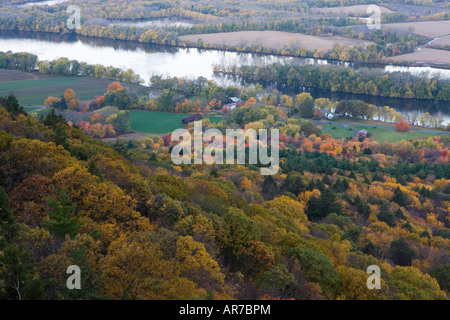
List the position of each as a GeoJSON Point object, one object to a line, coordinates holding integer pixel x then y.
{"type": "Point", "coordinates": [142, 228]}
{"type": "Point", "coordinates": [114, 86]}
{"type": "Point", "coordinates": [402, 125]}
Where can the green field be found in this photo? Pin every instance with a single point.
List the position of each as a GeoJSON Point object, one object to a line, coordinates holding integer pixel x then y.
{"type": "Point", "coordinates": [377, 134]}
{"type": "Point", "coordinates": [34, 92]}
{"type": "Point", "coordinates": [339, 132]}
{"type": "Point", "coordinates": [159, 122]}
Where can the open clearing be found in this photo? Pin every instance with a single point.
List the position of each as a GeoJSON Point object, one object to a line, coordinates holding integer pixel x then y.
{"type": "Point", "coordinates": [154, 122]}
{"type": "Point", "coordinates": [442, 41]}
{"type": "Point", "coordinates": [357, 10]}
{"type": "Point", "coordinates": [13, 75]}
{"type": "Point", "coordinates": [434, 56]}
{"type": "Point", "coordinates": [431, 29]}
{"type": "Point", "coordinates": [32, 89]}
{"type": "Point", "coordinates": [417, 10]}
{"type": "Point", "coordinates": [274, 39]}
{"type": "Point", "coordinates": [377, 134]}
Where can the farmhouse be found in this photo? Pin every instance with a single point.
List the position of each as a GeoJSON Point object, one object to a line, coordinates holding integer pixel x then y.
{"type": "Point", "coordinates": [230, 106]}
{"type": "Point", "coordinates": [192, 118]}
{"type": "Point", "coordinates": [233, 103]}
{"type": "Point", "coordinates": [234, 100]}
{"type": "Point", "coordinates": [362, 133]}
{"type": "Point", "coordinates": [330, 116]}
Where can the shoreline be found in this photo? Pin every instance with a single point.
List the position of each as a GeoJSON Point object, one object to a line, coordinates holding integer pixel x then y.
{"type": "Point", "coordinates": [190, 45]}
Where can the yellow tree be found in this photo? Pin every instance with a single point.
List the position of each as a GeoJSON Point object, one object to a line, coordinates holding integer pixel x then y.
{"type": "Point", "coordinates": [288, 207]}
{"type": "Point", "coordinates": [69, 94]}
{"type": "Point", "coordinates": [50, 101]}
{"type": "Point", "coordinates": [354, 285]}
{"type": "Point", "coordinates": [411, 284]}
{"type": "Point", "coordinates": [196, 264]}
{"type": "Point", "coordinates": [134, 268]}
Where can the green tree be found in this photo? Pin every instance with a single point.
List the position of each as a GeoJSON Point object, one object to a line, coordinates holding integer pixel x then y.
{"type": "Point", "coordinates": [120, 121]}
{"type": "Point", "coordinates": [19, 279]}
{"type": "Point", "coordinates": [118, 98]}
{"type": "Point", "coordinates": [399, 197]}
{"type": "Point", "coordinates": [11, 104]}
{"type": "Point", "coordinates": [241, 229]}
{"type": "Point", "coordinates": [63, 217]}
{"type": "Point", "coordinates": [305, 105]}
{"type": "Point", "coordinates": [7, 222]}
{"type": "Point", "coordinates": [401, 252]}
{"type": "Point", "coordinates": [318, 268]}
{"type": "Point", "coordinates": [442, 275]}
{"type": "Point", "coordinates": [320, 207]}
{"type": "Point", "coordinates": [276, 280]}
{"type": "Point", "coordinates": [165, 101]}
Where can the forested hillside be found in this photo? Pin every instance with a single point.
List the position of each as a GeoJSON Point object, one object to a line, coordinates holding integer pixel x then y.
{"type": "Point", "coordinates": [141, 228]}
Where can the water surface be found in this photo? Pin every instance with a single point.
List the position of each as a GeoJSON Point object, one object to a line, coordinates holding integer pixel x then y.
{"type": "Point", "coordinates": [148, 60]}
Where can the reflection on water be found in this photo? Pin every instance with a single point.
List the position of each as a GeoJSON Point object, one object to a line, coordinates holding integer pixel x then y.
{"type": "Point", "coordinates": [148, 60]}
{"type": "Point", "coordinates": [404, 106]}
{"type": "Point", "coordinates": [154, 23]}
{"type": "Point", "coordinates": [144, 59]}
{"type": "Point", "coordinates": [419, 71]}
{"type": "Point", "coordinates": [41, 3]}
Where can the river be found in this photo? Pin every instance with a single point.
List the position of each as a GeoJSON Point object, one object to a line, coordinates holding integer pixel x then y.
{"type": "Point", "coordinates": [41, 3]}
{"type": "Point", "coordinates": [148, 60]}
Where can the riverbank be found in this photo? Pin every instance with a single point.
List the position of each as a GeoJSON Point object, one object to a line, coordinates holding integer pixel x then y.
{"type": "Point", "coordinates": [89, 88]}
{"type": "Point", "coordinates": [261, 50]}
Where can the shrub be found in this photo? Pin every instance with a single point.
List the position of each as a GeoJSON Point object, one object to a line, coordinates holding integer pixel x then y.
{"type": "Point", "coordinates": [402, 125]}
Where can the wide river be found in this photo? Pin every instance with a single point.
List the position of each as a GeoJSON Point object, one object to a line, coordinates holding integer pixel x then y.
{"type": "Point", "coordinates": [41, 3]}
{"type": "Point", "coordinates": [148, 60]}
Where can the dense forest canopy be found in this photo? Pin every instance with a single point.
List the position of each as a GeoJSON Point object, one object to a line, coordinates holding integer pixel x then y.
{"type": "Point", "coordinates": [141, 227]}
{"type": "Point", "coordinates": [201, 231]}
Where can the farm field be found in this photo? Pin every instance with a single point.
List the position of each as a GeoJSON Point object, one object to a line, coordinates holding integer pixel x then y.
{"type": "Point", "coordinates": [13, 75]}
{"type": "Point", "coordinates": [159, 122]}
{"type": "Point", "coordinates": [356, 10]}
{"type": "Point", "coordinates": [431, 29]}
{"type": "Point", "coordinates": [442, 41]}
{"type": "Point", "coordinates": [377, 134]}
{"type": "Point", "coordinates": [433, 56]}
{"type": "Point", "coordinates": [32, 90]}
{"type": "Point", "coordinates": [274, 39]}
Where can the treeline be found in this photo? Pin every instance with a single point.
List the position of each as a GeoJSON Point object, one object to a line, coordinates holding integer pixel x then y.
{"type": "Point", "coordinates": [192, 95]}
{"type": "Point", "coordinates": [376, 52]}
{"type": "Point", "coordinates": [22, 61]}
{"type": "Point", "coordinates": [107, 118]}
{"type": "Point", "coordinates": [64, 67]}
{"type": "Point", "coordinates": [335, 78]}
{"type": "Point", "coordinates": [340, 3]}
{"type": "Point", "coordinates": [95, 24]}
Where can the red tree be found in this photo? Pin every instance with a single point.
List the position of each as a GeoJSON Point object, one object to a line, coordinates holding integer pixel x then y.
{"type": "Point", "coordinates": [402, 125]}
